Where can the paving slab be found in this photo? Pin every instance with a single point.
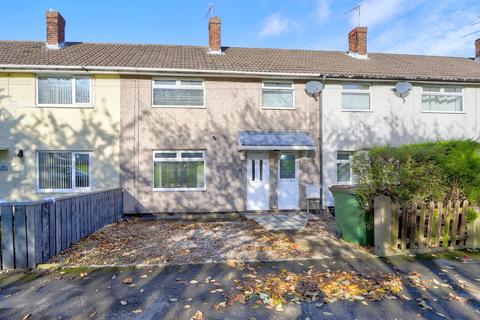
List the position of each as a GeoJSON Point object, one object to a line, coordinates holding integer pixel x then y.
{"type": "Point", "coordinates": [284, 221]}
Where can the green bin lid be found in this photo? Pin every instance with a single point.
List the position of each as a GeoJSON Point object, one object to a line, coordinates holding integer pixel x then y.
{"type": "Point", "coordinates": [350, 189]}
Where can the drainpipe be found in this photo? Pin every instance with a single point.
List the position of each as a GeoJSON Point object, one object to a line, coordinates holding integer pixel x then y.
{"type": "Point", "coordinates": [320, 142]}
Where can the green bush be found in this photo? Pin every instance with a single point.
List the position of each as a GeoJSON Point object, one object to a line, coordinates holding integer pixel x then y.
{"type": "Point", "coordinates": [446, 170]}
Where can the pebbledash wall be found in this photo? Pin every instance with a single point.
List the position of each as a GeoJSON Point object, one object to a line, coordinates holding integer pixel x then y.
{"type": "Point", "coordinates": [28, 127]}
{"type": "Point", "coordinates": [232, 105]}
{"type": "Point", "coordinates": [391, 121]}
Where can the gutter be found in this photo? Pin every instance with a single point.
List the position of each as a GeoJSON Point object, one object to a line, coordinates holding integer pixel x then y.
{"type": "Point", "coordinates": [219, 73]}
{"type": "Point", "coordinates": [147, 71]}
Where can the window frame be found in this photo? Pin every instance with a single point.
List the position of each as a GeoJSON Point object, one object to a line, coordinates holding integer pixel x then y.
{"type": "Point", "coordinates": [71, 190]}
{"type": "Point", "coordinates": [349, 161]}
{"type": "Point", "coordinates": [74, 104]}
{"type": "Point", "coordinates": [369, 91]}
{"type": "Point", "coordinates": [179, 86]}
{"type": "Point", "coordinates": [179, 158]}
{"type": "Point", "coordinates": [292, 90]}
{"type": "Point", "coordinates": [444, 94]}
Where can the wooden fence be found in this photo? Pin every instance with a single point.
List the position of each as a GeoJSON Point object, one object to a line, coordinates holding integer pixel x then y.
{"type": "Point", "coordinates": [421, 228]}
{"type": "Point", "coordinates": [33, 232]}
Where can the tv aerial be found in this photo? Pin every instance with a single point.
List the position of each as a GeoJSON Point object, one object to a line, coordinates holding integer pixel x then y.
{"type": "Point", "coordinates": [473, 24]}
{"type": "Point", "coordinates": [210, 11]}
{"type": "Point", "coordinates": [358, 9]}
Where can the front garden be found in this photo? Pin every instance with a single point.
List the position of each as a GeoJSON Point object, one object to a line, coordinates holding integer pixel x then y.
{"type": "Point", "coordinates": [147, 242]}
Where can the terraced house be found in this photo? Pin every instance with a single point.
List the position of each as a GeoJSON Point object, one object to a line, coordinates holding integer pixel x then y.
{"type": "Point", "coordinates": [214, 128]}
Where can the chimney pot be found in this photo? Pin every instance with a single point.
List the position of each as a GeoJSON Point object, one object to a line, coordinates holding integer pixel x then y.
{"type": "Point", "coordinates": [357, 41]}
{"type": "Point", "coordinates": [215, 35]}
{"type": "Point", "coordinates": [55, 29]}
{"type": "Point", "coordinates": [477, 50]}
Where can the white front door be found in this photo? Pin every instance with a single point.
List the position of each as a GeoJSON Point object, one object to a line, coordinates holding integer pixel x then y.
{"type": "Point", "coordinates": [288, 181]}
{"type": "Point", "coordinates": [258, 187]}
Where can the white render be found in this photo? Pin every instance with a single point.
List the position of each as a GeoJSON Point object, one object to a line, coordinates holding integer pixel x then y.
{"type": "Point", "coordinates": [391, 121]}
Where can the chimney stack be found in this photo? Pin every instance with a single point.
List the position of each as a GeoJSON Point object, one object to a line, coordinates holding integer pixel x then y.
{"type": "Point", "coordinates": [55, 29]}
{"type": "Point", "coordinates": [477, 50]}
{"type": "Point", "coordinates": [357, 41]}
{"type": "Point", "coordinates": [215, 35]}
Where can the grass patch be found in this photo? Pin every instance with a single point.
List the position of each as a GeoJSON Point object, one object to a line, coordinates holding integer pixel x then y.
{"type": "Point", "coordinates": [81, 269]}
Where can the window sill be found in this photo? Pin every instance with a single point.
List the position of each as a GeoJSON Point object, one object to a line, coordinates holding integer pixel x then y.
{"type": "Point", "coordinates": [178, 189]}
{"type": "Point", "coordinates": [47, 191]}
{"type": "Point", "coordinates": [180, 107]}
{"type": "Point", "coordinates": [278, 108]}
{"type": "Point", "coordinates": [66, 106]}
{"type": "Point", "coordinates": [444, 112]}
{"type": "Point", "coordinates": [356, 110]}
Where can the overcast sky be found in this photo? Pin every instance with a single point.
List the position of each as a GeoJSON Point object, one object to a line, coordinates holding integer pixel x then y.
{"type": "Point", "coordinates": [401, 26]}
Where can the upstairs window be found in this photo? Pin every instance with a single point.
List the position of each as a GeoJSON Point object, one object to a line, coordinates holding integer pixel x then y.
{"type": "Point", "coordinates": [63, 171]}
{"type": "Point", "coordinates": [442, 99]}
{"type": "Point", "coordinates": [277, 95]}
{"type": "Point", "coordinates": [178, 170]}
{"type": "Point", "coordinates": [63, 91]}
{"type": "Point", "coordinates": [178, 93]}
{"type": "Point", "coordinates": [355, 97]}
{"type": "Point", "coordinates": [344, 167]}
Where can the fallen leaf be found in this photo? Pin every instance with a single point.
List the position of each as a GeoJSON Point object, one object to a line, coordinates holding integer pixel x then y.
{"type": "Point", "coordinates": [123, 302]}
{"type": "Point", "coordinates": [193, 281]}
{"type": "Point", "coordinates": [187, 306]}
{"type": "Point", "coordinates": [137, 311]}
{"type": "Point", "coordinates": [127, 280]}
{"type": "Point", "coordinates": [198, 316]}
{"type": "Point", "coordinates": [424, 305]}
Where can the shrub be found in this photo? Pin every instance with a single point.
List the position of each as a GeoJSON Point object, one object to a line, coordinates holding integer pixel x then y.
{"type": "Point", "coordinates": [447, 170]}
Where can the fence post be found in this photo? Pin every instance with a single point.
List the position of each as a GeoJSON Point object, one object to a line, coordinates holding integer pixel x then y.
{"type": "Point", "coordinates": [382, 225]}
{"type": "Point", "coordinates": [473, 234]}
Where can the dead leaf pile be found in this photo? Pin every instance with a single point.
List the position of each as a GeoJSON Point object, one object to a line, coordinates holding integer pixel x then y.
{"type": "Point", "coordinates": [289, 287]}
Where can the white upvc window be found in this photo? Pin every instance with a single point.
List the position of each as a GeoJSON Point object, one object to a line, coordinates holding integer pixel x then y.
{"type": "Point", "coordinates": [179, 170]}
{"type": "Point", "coordinates": [356, 97]}
{"type": "Point", "coordinates": [189, 93]}
{"type": "Point", "coordinates": [278, 94]}
{"type": "Point", "coordinates": [344, 167]}
{"type": "Point", "coordinates": [442, 99]}
{"type": "Point", "coordinates": [64, 171]}
{"type": "Point", "coordinates": [64, 91]}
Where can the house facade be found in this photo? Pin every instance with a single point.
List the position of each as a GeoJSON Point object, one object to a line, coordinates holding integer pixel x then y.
{"type": "Point", "coordinates": [212, 128]}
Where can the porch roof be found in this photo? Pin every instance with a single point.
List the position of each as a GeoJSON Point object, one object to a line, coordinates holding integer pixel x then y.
{"type": "Point", "coordinates": [275, 140]}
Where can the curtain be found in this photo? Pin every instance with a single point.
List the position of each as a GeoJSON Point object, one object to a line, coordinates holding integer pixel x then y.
{"type": "Point", "coordinates": [54, 91]}
{"type": "Point", "coordinates": [277, 98]}
{"type": "Point", "coordinates": [54, 170]}
{"type": "Point", "coordinates": [82, 90]}
{"type": "Point", "coordinates": [177, 97]}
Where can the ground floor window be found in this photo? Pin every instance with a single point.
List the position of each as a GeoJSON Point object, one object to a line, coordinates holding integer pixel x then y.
{"type": "Point", "coordinates": [344, 167]}
{"type": "Point", "coordinates": [59, 171]}
{"type": "Point", "coordinates": [178, 170]}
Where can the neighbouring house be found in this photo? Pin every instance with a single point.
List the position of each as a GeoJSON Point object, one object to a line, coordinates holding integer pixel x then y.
{"type": "Point", "coordinates": [213, 128]}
